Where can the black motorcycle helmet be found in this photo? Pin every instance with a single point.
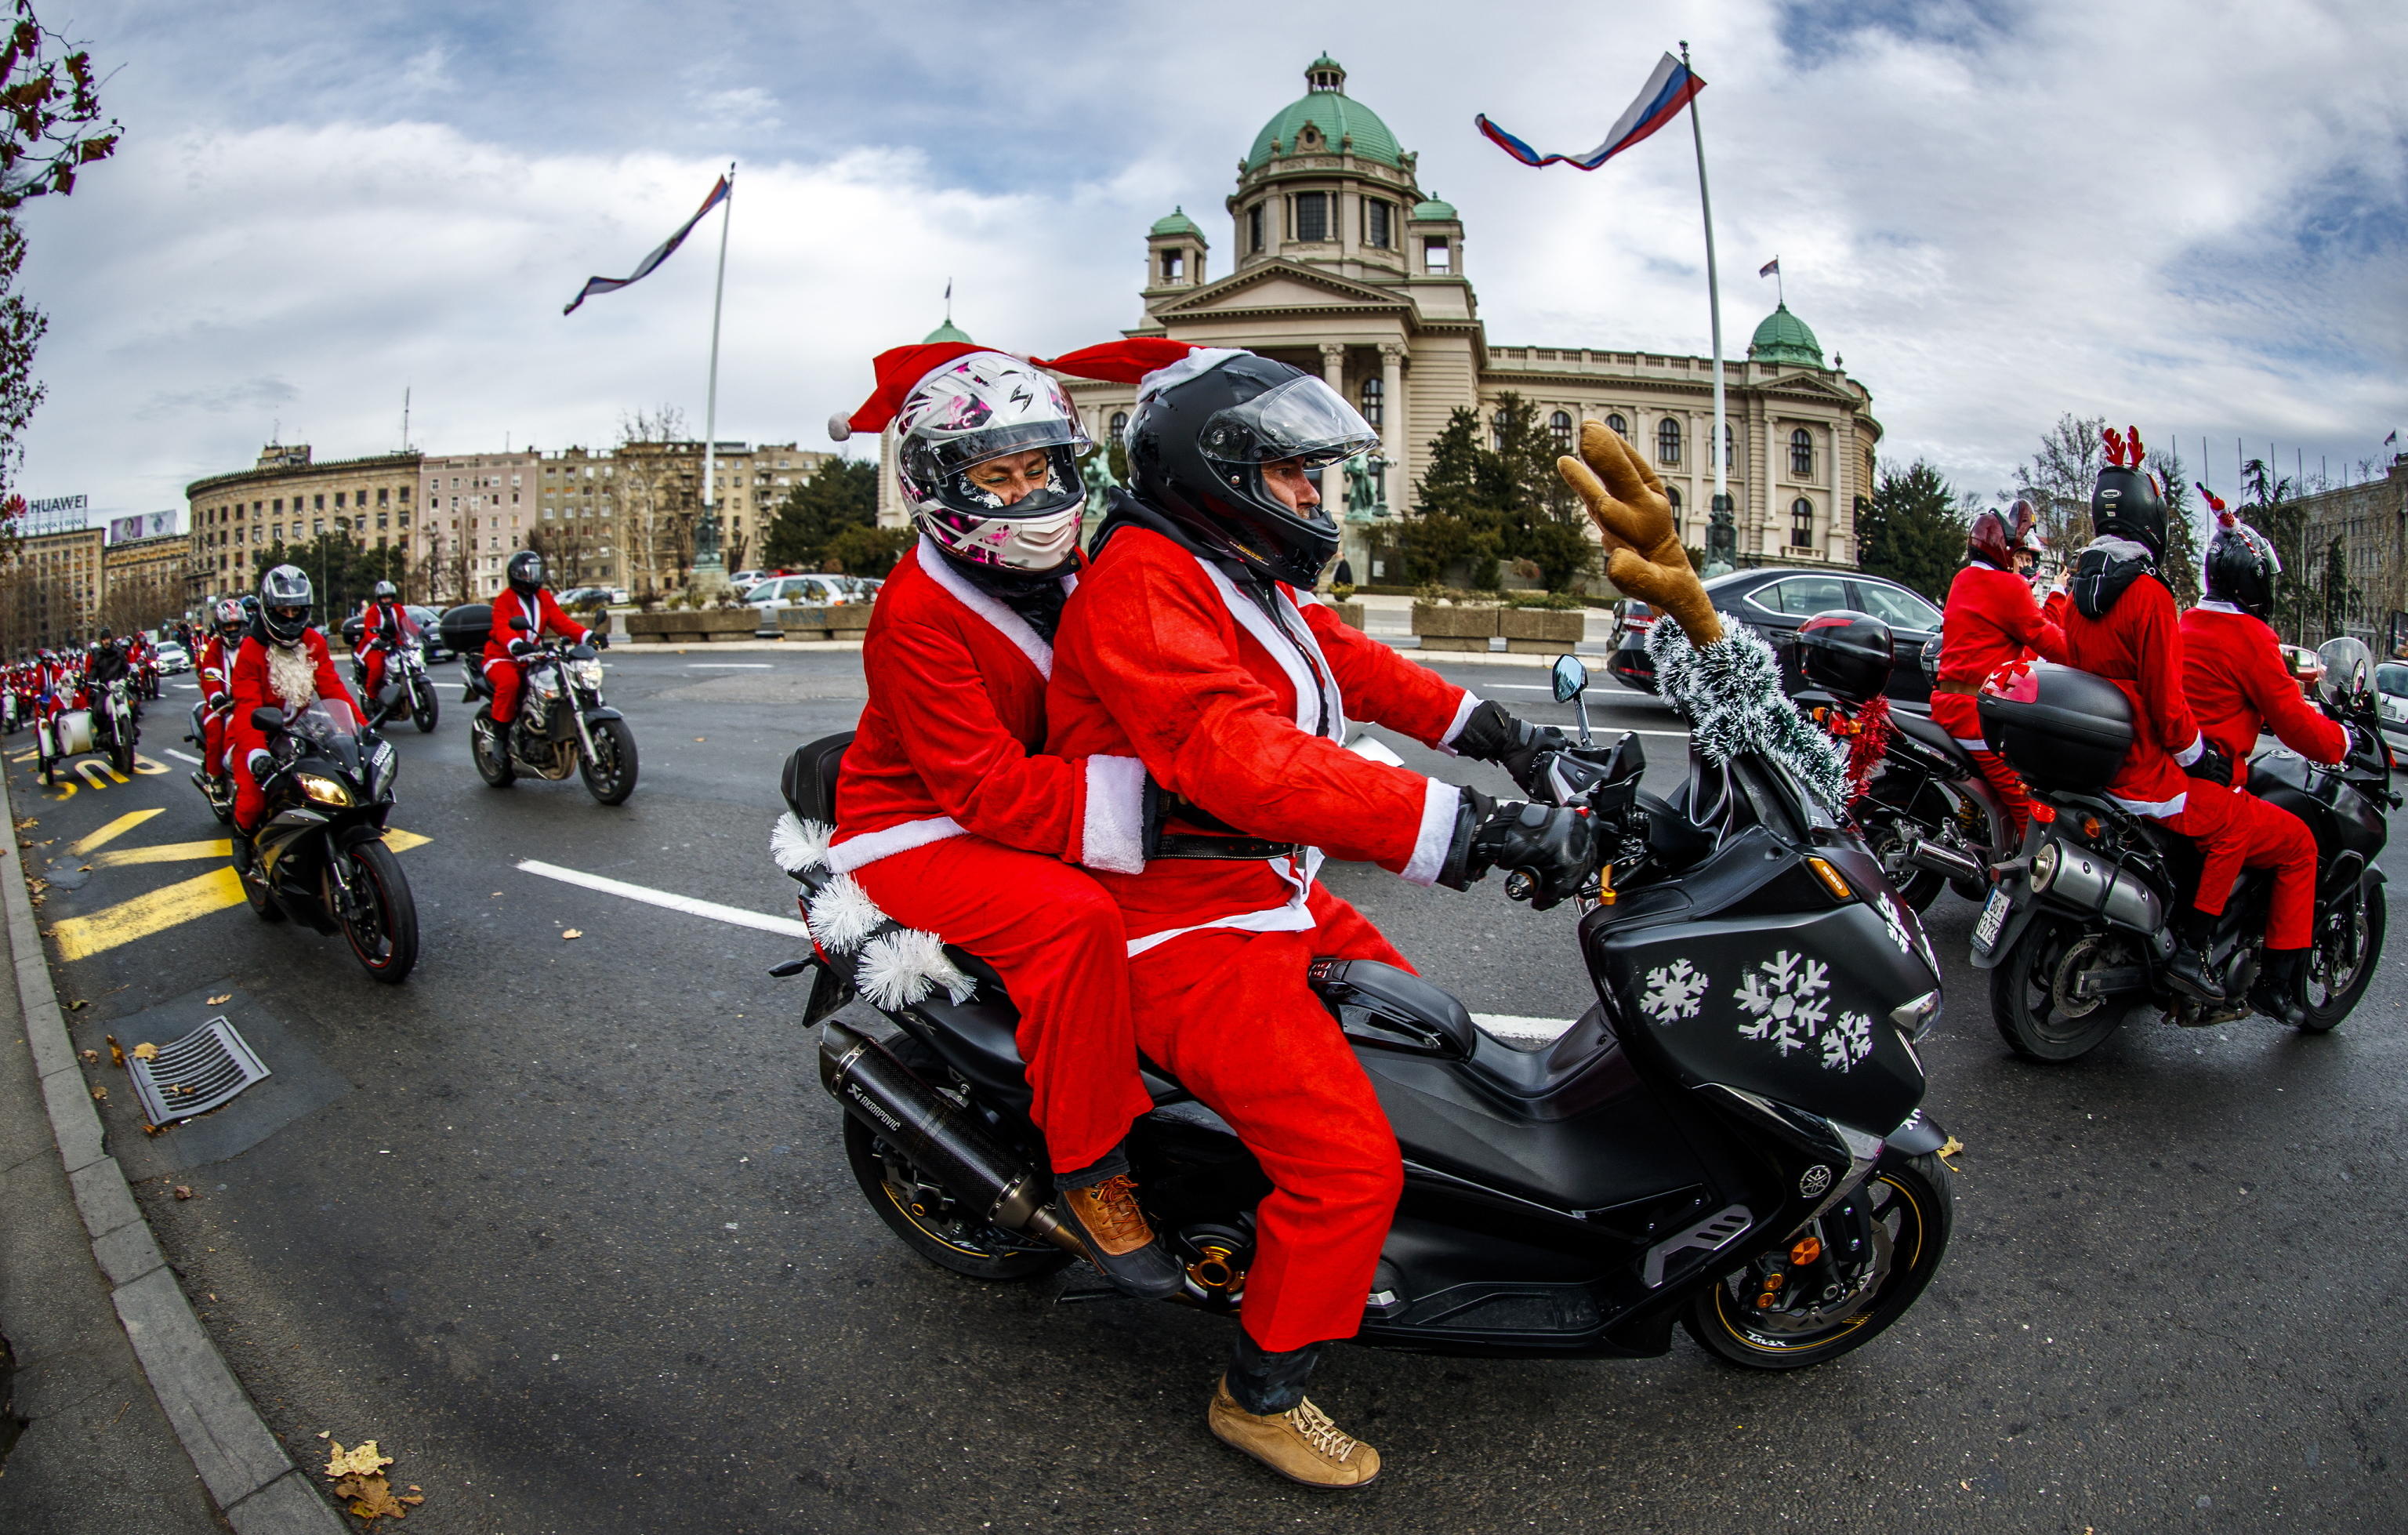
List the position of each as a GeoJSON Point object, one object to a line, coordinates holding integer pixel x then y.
{"type": "Point", "coordinates": [526, 572]}
{"type": "Point", "coordinates": [2240, 568]}
{"type": "Point", "coordinates": [387, 591]}
{"type": "Point", "coordinates": [1847, 654]}
{"type": "Point", "coordinates": [1197, 448]}
{"type": "Point", "coordinates": [284, 603]}
{"type": "Point", "coordinates": [2126, 503]}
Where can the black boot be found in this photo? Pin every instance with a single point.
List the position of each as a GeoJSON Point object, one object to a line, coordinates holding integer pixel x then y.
{"type": "Point", "coordinates": [2276, 993]}
{"type": "Point", "coordinates": [2185, 968]}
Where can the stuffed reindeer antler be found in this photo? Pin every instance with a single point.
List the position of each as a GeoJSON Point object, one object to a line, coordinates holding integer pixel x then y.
{"type": "Point", "coordinates": [1634, 517]}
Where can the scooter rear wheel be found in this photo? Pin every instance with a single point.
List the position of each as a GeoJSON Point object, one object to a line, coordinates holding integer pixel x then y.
{"type": "Point", "coordinates": [1909, 1207]}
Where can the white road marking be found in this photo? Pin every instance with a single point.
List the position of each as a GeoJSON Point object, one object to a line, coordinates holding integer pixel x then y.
{"type": "Point", "coordinates": [1524, 1032]}
{"type": "Point", "coordinates": [733, 915]}
{"type": "Point", "coordinates": [181, 757]}
{"type": "Point", "coordinates": [189, 687]}
{"type": "Point", "coordinates": [729, 666]}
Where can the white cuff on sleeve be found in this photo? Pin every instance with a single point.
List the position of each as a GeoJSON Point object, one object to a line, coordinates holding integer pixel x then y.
{"type": "Point", "coordinates": [1111, 836]}
{"type": "Point", "coordinates": [1462, 717]}
{"type": "Point", "coordinates": [1440, 803]}
{"type": "Point", "coordinates": [2188, 754]}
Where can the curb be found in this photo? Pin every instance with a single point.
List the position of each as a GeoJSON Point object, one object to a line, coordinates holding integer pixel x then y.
{"type": "Point", "coordinates": [245, 1468]}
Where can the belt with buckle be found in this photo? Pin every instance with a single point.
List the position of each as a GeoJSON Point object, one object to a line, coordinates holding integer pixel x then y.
{"type": "Point", "coordinates": [1175, 844]}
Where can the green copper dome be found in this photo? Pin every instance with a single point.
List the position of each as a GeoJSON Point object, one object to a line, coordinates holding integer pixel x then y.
{"type": "Point", "coordinates": [946, 332]}
{"type": "Point", "coordinates": [1337, 115]}
{"type": "Point", "coordinates": [1178, 223]}
{"type": "Point", "coordinates": [1431, 208]}
{"type": "Point", "coordinates": [1784, 338]}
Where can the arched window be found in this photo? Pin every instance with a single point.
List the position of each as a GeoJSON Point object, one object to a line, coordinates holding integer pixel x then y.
{"type": "Point", "coordinates": [1667, 441]}
{"type": "Point", "coordinates": [1375, 400]}
{"type": "Point", "coordinates": [1621, 427]}
{"type": "Point", "coordinates": [1672, 494]}
{"type": "Point", "coordinates": [1731, 454]}
{"type": "Point", "coordinates": [1120, 424]}
{"type": "Point", "coordinates": [1560, 425]}
{"type": "Point", "coordinates": [1801, 523]}
{"type": "Point", "coordinates": [1801, 453]}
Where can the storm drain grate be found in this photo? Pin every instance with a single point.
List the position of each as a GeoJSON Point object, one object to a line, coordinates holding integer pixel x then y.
{"type": "Point", "coordinates": [197, 1073]}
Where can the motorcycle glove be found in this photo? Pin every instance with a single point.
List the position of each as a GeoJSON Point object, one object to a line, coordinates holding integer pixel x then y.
{"type": "Point", "coordinates": [1553, 845]}
{"type": "Point", "coordinates": [262, 765]}
{"type": "Point", "coordinates": [522, 647]}
{"type": "Point", "coordinates": [600, 641]}
{"type": "Point", "coordinates": [1493, 735]}
{"type": "Point", "coordinates": [2213, 766]}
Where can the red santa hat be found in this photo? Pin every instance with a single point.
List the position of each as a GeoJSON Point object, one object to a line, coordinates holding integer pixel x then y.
{"type": "Point", "coordinates": [1153, 363]}
{"type": "Point", "coordinates": [901, 371]}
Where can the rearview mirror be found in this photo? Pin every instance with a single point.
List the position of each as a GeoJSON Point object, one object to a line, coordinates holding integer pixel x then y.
{"type": "Point", "coordinates": [266, 717]}
{"type": "Point", "coordinates": [1571, 677]}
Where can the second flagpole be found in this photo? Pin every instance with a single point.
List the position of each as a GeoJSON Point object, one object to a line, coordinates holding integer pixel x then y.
{"type": "Point", "coordinates": [1713, 308]}
{"type": "Point", "coordinates": [709, 530]}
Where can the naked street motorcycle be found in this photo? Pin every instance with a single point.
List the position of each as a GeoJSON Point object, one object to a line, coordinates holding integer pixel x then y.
{"type": "Point", "coordinates": [563, 724]}
{"type": "Point", "coordinates": [1730, 1139]}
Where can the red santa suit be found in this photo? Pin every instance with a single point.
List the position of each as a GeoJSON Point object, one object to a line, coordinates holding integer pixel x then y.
{"type": "Point", "coordinates": [1238, 710]}
{"type": "Point", "coordinates": [2137, 644]}
{"type": "Point", "coordinates": [290, 679]}
{"type": "Point", "coordinates": [952, 822]}
{"type": "Point", "coordinates": [1991, 621]}
{"type": "Point", "coordinates": [503, 669]}
{"type": "Point", "coordinates": [216, 666]}
{"type": "Point", "coordinates": [382, 627]}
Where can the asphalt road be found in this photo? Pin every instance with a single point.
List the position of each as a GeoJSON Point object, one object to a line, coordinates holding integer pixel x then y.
{"type": "Point", "coordinates": [563, 1223]}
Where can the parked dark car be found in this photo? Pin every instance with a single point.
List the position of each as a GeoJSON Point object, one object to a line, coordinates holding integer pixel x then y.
{"type": "Point", "coordinates": [1772, 602]}
{"type": "Point", "coordinates": [430, 632]}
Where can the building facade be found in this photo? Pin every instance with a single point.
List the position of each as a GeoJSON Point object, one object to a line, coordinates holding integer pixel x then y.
{"type": "Point", "coordinates": [53, 594]}
{"type": "Point", "coordinates": [287, 497]}
{"type": "Point", "coordinates": [625, 517]}
{"type": "Point", "coordinates": [142, 582]}
{"type": "Point", "coordinates": [2369, 522]}
{"type": "Point", "coordinates": [1345, 266]}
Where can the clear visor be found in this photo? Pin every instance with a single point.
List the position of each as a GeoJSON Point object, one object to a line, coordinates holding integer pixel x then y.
{"type": "Point", "coordinates": [1302, 418]}
{"type": "Point", "coordinates": [952, 452]}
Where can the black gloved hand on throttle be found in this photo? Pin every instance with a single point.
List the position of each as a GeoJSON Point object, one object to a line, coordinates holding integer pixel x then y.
{"type": "Point", "coordinates": [1493, 735]}
{"type": "Point", "coordinates": [598, 638]}
{"type": "Point", "coordinates": [2213, 766]}
{"type": "Point", "coordinates": [1555, 846]}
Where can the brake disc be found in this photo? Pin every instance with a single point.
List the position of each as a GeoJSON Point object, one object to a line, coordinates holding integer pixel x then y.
{"type": "Point", "coordinates": [2078, 957]}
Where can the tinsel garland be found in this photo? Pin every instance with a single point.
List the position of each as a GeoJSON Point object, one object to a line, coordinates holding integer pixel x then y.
{"type": "Point", "coordinates": [1866, 736]}
{"type": "Point", "coordinates": [1732, 693]}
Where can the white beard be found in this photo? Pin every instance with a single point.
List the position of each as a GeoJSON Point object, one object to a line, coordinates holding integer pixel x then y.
{"type": "Point", "coordinates": [293, 677]}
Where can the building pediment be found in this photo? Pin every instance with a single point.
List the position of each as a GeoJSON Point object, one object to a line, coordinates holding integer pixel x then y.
{"type": "Point", "coordinates": [1282, 285]}
{"type": "Point", "coordinates": [1815, 384]}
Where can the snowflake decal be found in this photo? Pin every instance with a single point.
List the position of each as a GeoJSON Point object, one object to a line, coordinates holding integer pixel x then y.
{"type": "Point", "coordinates": [1779, 999]}
{"type": "Point", "coordinates": [1673, 992]}
{"type": "Point", "coordinates": [1892, 926]}
{"type": "Point", "coordinates": [1847, 1042]}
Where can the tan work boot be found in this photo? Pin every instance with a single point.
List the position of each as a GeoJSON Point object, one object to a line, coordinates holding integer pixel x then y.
{"type": "Point", "coordinates": [1107, 1221]}
{"type": "Point", "coordinates": [1300, 1443]}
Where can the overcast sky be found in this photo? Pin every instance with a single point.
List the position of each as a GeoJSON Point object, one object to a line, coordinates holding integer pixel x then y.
{"type": "Point", "coordinates": [2187, 216]}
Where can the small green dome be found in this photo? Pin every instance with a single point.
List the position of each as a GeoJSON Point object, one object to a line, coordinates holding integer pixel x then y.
{"type": "Point", "coordinates": [946, 332]}
{"type": "Point", "coordinates": [1337, 115]}
{"type": "Point", "coordinates": [1431, 208]}
{"type": "Point", "coordinates": [1178, 223]}
{"type": "Point", "coordinates": [1784, 338]}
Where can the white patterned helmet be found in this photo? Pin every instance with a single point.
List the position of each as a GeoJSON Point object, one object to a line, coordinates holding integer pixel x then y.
{"type": "Point", "coordinates": [978, 408]}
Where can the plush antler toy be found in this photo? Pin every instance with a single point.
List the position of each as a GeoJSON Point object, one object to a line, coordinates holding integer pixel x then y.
{"type": "Point", "coordinates": [1634, 517]}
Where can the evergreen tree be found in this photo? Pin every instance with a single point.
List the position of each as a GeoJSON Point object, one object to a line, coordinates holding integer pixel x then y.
{"type": "Point", "coordinates": [342, 574]}
{"type": "Point", "coordinates": [1910, 530]}
{"type": "Point", "coordinates": [2180, 566]}
{"type": "Point", "coordinates": [1540, 519]}
{"type": "Point", "coordinates": [1454, 521]}
{"type": "Point", "coordinates": [841, 496]}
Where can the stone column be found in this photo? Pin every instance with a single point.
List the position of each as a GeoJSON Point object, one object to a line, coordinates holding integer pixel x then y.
{"type": "Point", "coordinates": [1392, 422]}
{"type": "Point", "coordinates": [1333, 366]}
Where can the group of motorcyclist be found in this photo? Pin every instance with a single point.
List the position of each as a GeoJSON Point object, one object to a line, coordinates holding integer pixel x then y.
{"type": "Point", "coordinates": [49, 682]}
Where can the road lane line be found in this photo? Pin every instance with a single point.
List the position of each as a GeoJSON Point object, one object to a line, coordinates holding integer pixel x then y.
{"type": "Point", "coordinates": [80, 937]}
{"type": "Point", "coordinates": [163, 852]}
{"type": "Point", "coordinates": [729, 666]}
{"type": "Point", "coordinates": [733, 915]}
{"type": "Point", "coordinates": [181, 757]}
{"type": "Point", "coordinates": [113, 830]}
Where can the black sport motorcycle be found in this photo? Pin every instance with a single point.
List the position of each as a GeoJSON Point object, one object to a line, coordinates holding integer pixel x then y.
{"type": "Point", "coordinates": [563, 724]}
{"type": "Point", "coordinates": [319, 857]}
{"type": "Point", "coordinates": [1929, 814]}
{"type": "Point", "coordinates": [2076, 932]}
{"type": "Point", "coordinates": [1730, 1138]}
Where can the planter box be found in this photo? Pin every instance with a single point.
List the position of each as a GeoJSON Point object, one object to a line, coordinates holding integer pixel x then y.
{"type": "Point", "coordinates": [1348, 613]}
{"type": "Point", "coordinates": [693, 626]}
{"type": "Point", "coordinates": [844, 621]}
{"type": "Point", "coordinates": [1453, 627]}
{"type": "Point", "coordinates": [1540, 631]}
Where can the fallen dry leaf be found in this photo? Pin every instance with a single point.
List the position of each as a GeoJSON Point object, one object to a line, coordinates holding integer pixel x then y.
{"type": "Point", "coordinates": [91, 1057]}
{"type": "Point", "coordinates": [372, 1497]}
{"type": "Point", "coordinates": [360, 1460]}
{"type": "Point", "coordinates": [226, 996]}
{"type": "Point", "coordinates": [153, 1129]}
{"type": "Point", "coordinates": [83, 868]}
{"type": "Point", "coordinates": [183, 1191]}
{"type": "Point", "coordinates": [116, 1051]}
{"type": "Point", "coordinates": [572, 932]}
{"type": "Point", "coordinates": [146, 1051]}
{"type": "Point", "coordinates": [99, 1093]}
{"type": "Point", "coordinates": [1954, 1148]}
{"type": "Point", "coordinates": [78, 1005]}
{"type": "Point", "coordinates": [698, 740]}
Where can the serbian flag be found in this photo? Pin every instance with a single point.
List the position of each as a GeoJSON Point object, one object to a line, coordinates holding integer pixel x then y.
{"type": "Point", "coordinates": [644, 269]}
{"type": "Point", "coordinates": [1661, 101]}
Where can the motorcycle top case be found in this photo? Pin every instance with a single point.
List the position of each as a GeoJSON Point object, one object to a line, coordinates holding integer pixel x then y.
{"type": "Point", "coordinates": [464, 628]}
{"type": "Point", "coordinates": [2064, 730]}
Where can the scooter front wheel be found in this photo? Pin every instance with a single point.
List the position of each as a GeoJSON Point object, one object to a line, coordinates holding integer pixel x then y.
{"type": "Point", "coordinates": [1819, 1299]}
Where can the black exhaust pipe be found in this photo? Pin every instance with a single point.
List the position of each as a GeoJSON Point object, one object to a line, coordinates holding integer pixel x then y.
{"type": "Point", "coordinates": [939, 1138]}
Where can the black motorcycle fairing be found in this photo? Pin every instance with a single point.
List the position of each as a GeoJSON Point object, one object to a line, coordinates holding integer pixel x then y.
{"type": "Point", "coordinates": [2349, 828]}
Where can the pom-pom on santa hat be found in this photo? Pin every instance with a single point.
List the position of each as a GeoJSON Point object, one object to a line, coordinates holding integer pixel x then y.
{"type": "Point", "coordinates": [1153, 363]}
{"type": "Point", "coordinates": [901, 371]}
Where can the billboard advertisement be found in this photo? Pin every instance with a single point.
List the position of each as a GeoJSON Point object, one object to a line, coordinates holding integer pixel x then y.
{"type": "Point", "coordinates": [147, 524]}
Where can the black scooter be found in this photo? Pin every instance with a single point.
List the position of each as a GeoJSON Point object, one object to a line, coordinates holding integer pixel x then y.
{"type": "Point", "coordinates": [1730, 1138]}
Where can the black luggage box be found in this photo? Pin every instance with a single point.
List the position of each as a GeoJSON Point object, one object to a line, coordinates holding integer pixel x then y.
{"type": "Point", "coordinates": [2064, 730]}
{"type": "Point", "coordinates": [464, 628]}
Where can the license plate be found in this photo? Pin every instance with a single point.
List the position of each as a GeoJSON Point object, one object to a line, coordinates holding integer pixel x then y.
{"type": "Point", "coordinates": [1994, 917]}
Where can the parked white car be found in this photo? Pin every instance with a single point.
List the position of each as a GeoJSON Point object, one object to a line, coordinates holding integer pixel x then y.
{"type": "Point", "coordinates": [801, 591]}
{"type": "Point", "coordinates": [2391, 696]}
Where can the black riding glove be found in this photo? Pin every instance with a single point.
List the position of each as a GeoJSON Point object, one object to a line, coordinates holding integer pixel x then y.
{"type": "Point", "coordinates": [1555, 846]}
{"type": "Point", "coordinates": [522, 647]}
{"type": "Point", "coordinates": [600, 641]}
{"type": "Point", "coordinates": [2213, 766]}
{"type": "Point", "coordinates": [1493, 735]}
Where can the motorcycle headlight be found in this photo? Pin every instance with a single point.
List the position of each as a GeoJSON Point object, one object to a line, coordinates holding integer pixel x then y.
{"type": "Point", "coordinates": [324, 790]}
{"type": "Point", "coordinates": [1915, 1019]}
{"type": "Point", "coordinates": [586, 674]}
{"type": "Point", "coordinates": [544, 683]}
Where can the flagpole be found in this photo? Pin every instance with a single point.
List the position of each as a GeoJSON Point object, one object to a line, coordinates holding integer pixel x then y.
{"type": "Point", "coordinates": [710, 394]}
{"type": "Point", "coordinates": [1714, 304]}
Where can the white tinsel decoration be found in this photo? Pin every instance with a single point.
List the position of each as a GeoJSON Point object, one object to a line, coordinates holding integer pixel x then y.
{"type": "Point", "coordinates": [900, 968]}
{"type": "Point", "coordinates": [842, 915]}
{"type": "Point", "coordinates": [798, 845]}
{"type": "Point", "coordinates": [1732, 693]}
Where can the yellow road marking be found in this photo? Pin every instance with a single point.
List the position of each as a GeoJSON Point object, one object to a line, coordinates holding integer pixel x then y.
{"type": "Point", "coordinates": [165, 852]}
{"type": "Point", "coordinates": [112, 831]}
{"type": "Point", "coordinates": [402, 842]}
{"type": "Point", "coordinates": [90, 769]}
{"type": "Point", "coordinates": [80, 937]}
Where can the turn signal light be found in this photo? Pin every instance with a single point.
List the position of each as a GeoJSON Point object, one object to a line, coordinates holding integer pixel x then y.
{"type": "Point", "coordinates": [1831, 878]}
{"type": "Point", "coordinates": [2090, 828]}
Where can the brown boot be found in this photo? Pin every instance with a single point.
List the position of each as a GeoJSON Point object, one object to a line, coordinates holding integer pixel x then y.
{"type": "Point", "coordinates": [1107, 1221]}
{"type": "Point", "coordinates": [1300, 1443]}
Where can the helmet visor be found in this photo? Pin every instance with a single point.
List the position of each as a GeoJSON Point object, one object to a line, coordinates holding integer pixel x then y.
{"type": "Point", "coordinates": [953, 452]}
{"type": "Point", "coordinates": [1302, 418]}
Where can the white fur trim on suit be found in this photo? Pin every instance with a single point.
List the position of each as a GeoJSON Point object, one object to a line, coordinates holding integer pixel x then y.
{"type": "Point", "coordinates": [1304, 664]}
{"type": "Point", "coordinates": [900, 968]}
{"type": "Point", "coordinates": [2157, 810]}
{"type": "Point", "coordinates": [842, 916]}
{"type": "Point", "coordinates": [1440, 803]}
{"type": "Point", "coordinates": [897, 966]}
{"type": "Point", "coordinates": [1111, 836]}
{"type": "Point", "coordinates": [1005, 622]}
{"type": "Point", "coordinates": [1462, 717]}
{"type": "Point", "coordinates": [870, 846]}
{"type": "Point", "coordinates": [2188, 754]}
